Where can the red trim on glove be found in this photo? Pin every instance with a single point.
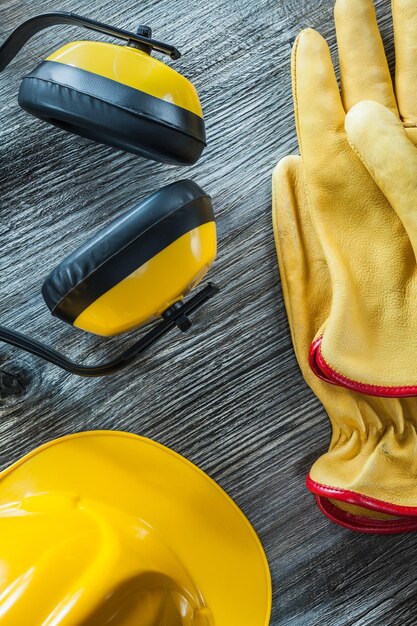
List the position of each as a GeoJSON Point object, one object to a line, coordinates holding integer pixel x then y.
{"type": "Point", "coordinates": [325, 372]}
{"type": "Point", "coordinates": [365, 524]}
{"type": "Point", "coordinates": [407, 522]}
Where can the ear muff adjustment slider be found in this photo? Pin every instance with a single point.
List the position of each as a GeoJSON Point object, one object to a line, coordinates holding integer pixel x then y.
{"type": "Point", "coordinates": [142, 31]}
{"type": "Point", "coordinates": [182, 321]}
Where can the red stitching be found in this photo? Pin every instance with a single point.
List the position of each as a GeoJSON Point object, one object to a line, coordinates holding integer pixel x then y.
{"type": "Point", "coordinates": [325, 372]}
{"type": "Point", "coordinates": [365, 524]}
{"type": "Point", "coordinates": [359, 499]}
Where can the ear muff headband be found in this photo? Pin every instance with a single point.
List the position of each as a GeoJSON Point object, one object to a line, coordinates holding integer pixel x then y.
{"type": "Point", "coordinates": [177, 315]}
{"type": "Point", "coordinates": [15, 42]}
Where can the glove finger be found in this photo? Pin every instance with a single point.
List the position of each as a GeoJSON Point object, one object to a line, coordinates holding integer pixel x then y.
{"type": "Point", "coordinates": [304, 273]}
{"type": "Point", "coordinates": [404, 13]}
{"type": "Point", "coordinates": [318, 106]}
{"type": "Point", "coordinates": [380, 140]}
{"type": "Point", "coordinates": [364, 71]}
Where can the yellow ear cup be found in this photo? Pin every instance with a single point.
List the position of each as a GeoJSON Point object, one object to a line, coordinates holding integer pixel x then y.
{"type": "Point", "coordinates": [139, 265]}
{"type": "Point", "coordinates": [131, 67]}
{"type": "Point", "coordinates": [119, 96]}
{"type": "Point", "coordinates": [116, 95]}
{"type": "Point", "coordinates": [156, 285]}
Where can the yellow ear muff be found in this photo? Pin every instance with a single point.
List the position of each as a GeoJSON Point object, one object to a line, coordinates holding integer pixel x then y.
{"type": "Point", "coordinates": [116, 95]}
{"type": "Point", "coordinates": [139, 265]}
{"type": "Point", "coordinates": [144, 263]}
{"type": "Point", "coordinates": [120, 96]}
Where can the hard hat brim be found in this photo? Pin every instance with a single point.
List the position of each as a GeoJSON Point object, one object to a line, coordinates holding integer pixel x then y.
{"type": "Point", "coordinates": [193, 515]}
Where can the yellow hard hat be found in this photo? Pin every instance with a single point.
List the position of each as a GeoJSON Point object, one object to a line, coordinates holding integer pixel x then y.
{"type": "Point", "coordinates": [110, 528]}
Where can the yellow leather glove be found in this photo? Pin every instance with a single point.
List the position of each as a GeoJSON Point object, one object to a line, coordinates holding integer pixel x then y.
{"type": "Point", "coordinates": [368, 479]}
{"type": "Point", "coordinates": [368, 343]}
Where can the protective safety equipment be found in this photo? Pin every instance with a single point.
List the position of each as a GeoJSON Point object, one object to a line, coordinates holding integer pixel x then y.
{"type": "Point", "coordinates": [160, 249]}
{"type": "Point", "coordinates": [120, 530]}
{"type": "Point", "coordinates": [367, 481]}
{"type": "Point", "coordinates": [368, 342]}
{"type": "Point", "coordinates": [116, 95]}
{"type": "Point", "coordinates": [338, 239]}
{"type": "Point", "coordinates": [137, 269]}
{"type": "Point", "coordinates": [141, 266]}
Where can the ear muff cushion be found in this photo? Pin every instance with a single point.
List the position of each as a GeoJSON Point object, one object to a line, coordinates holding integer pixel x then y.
{"type": "Point", "coordinates": [124, 246]}
{"type": "Point", "coordinates": [112, 113]}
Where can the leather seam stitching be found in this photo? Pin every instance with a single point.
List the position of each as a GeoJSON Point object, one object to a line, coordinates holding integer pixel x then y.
{"type": "Point", "coordinates": [343, 378]}
{"type": "Point", "coordinates": [342, 491]}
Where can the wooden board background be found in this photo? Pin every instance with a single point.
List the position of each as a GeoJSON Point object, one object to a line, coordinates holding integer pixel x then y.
{"type": "Point", "coordinates": [229, 396]}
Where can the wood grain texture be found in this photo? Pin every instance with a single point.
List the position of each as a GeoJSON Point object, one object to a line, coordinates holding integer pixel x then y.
{"type": "Point", "coordinates": [229, 396]}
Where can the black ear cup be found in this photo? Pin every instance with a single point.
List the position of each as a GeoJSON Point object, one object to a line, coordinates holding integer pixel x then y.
{"type": "Point", "coordinates": [138, 265]}
{"type": "Point", "coordinates": [109, 111]}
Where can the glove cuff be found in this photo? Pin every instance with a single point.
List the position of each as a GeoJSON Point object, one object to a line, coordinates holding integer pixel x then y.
{"type": "Point", "coordinates": [365, 524]}
{"type": "Point", "coordinates": [325, 372]}
{"type": "Point", "coordinates": [406, 520]}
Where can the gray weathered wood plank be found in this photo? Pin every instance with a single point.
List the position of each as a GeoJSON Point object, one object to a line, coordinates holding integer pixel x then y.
{"type": "Point", "coordinates": [229, 396]}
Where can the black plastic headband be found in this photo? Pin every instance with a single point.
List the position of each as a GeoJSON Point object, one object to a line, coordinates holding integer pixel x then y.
{"type": "Point", "coordinates": [15, 42]}
{"type": "Point", "coordinates": [177, 315]}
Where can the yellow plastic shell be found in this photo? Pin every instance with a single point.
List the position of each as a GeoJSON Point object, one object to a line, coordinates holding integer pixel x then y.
{"type": "Point", "coordinates": [150, 290]}
{"type": "Point", "coordinates": [132, 67]}
{"type": "Point", "coordinates": [107, 528]}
